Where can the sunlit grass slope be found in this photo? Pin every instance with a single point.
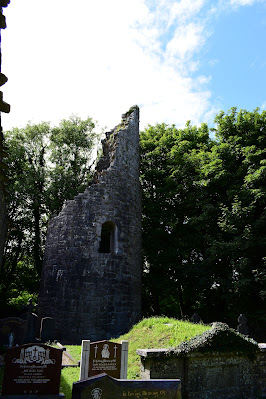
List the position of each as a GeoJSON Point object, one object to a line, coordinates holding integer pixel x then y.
{"type": "Point", "coordinates": [155, 333]}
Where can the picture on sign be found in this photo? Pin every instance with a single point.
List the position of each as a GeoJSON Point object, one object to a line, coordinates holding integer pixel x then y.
{"type": "Point", "coordinates": [32, 369]}
{"type": "Point", "coordinates": [105, 356]}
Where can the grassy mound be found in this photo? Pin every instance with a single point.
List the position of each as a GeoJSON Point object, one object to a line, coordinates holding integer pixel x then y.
{"type": "Point", "coordinates": [155, 333]}
{"type": "Point", "coordinates": [152, 333]}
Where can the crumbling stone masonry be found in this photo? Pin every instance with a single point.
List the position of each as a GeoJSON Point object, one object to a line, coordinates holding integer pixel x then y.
{"type": "Point", "coordinates": [218, 364]}
{"type": "Point", "coordinates": [91, 281]}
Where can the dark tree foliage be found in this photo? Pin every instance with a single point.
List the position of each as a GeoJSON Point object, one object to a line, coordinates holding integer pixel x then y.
{"type": "Point", "coordinates": [46, 167]}
{"type": "Point", "coordinates": [204, 215]}
{"type": "Point", "coordinates": [3, 180]}
{"type": "Point", "coordinates": [204, 212]}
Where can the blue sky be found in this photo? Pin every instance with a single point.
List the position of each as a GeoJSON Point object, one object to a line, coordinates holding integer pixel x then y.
{"type": "Point", "coordinates": [178, 60]}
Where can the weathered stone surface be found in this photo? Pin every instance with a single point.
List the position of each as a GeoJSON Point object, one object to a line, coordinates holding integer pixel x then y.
{"type": "Point", "coordinates": [92, 286]}
{"type": "Point", "coordinates": [219, 364]}
{"type": "Point", "coordinates": [47, 331]}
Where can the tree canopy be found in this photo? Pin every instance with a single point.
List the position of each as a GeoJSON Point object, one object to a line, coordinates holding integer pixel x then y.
{"type": "Point", "coordinates": [204, 217]}
{"type": "Point", "coordinates": [204, 211]}
{"type": "Point", "coordinates": [3, 179]}
{"type": "Point", "coordinates": [46, 166]}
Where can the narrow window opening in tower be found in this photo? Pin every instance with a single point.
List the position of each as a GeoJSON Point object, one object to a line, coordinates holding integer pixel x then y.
{"type": "Point", "coordinates": [108, 243]}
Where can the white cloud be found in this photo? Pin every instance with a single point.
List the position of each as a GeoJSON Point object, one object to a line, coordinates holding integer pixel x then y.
{"type": "Point", "coordinates": [99, 58]}
{"type": "Point", "coordinates": [242, 2]}
{"type": "Point", "coordinates": [186, 41]}
{"type": "Point", "coordinates": [184, 10]}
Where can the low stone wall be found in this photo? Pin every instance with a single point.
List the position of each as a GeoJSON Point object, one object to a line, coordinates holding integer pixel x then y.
{"type": "Point", "coordinates": [209, 374]}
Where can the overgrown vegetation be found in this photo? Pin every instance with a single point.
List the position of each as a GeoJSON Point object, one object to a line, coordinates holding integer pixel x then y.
{"type": "Point", "coordinates": [204, 213]}
{"type": "Point", "coordinates": [154, 332]}
{"type": "Point", "coordinates": [204, 219]}
{"type": "Point", "coordinates": [157, 332]}
{"type": "Point", "coordinates": [45, 167]}
{"type": "Point", "coordinates": [220, 338]}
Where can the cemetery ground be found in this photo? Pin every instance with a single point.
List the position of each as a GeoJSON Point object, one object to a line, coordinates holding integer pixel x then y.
{"type": "Point", "coordinates": [151, 333]}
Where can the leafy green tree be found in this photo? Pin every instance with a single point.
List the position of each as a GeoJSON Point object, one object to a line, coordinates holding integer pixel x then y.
{"type": "Point", "coordinates": [27, 177]}
{"type": "Point", "coordinates": [46, 166]}
{"type": "Point", "coordinates": [241, 221]}
{"type": "Point", "coordinates": [172, 240]}
{"type": "Point", "coordinates": [3, 178]}
{"type": "Point", "coordinates": [204, 218]}
{"type": "Point", "coordinates": [71, 148]}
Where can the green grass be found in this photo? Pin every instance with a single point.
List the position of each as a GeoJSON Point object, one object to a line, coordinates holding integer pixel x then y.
{"type": "Point", "coordinates": [74, 351]}
{"type": "Point", "coordinates": [155, 332]}
{"type": "Point", "coordinates": [68, 376]}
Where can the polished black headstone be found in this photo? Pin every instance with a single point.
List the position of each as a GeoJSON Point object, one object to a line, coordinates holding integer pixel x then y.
{"type": "Point", "coordinates": [103, 386]}
{"type": "Point", "coordinates": [32, 369]}
{"type": "Point", "coordinates": [105, 357]}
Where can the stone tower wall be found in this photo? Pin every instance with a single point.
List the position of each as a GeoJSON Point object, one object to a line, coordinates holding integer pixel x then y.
{"type": "Point", "coordinates": [91, 294]}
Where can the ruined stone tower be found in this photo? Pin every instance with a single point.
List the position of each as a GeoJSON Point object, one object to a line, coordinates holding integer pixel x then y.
{"type": "Point", "coordinates": [91, 281]}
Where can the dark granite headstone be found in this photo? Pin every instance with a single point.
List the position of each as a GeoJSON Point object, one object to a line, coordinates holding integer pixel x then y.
{"type": "Point", "coordinates": [105, 357]}
{"type": "Point", "coordinates": [195, 318]}
{"type": "Point", "coordinates": [32, 321]}
{"type": "Point", "coordinates": [47, 329]}
{"type": "Point", "coordinates": [15, 327]}
{"type": "Point", "coordinates": [32, 370]}
{"type": "Point", "coordinates": [105, 387]}
{"type": "Point", "coordinates": [242, 328]}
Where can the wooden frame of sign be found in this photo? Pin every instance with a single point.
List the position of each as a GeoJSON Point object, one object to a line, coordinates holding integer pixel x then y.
{"type": "Point", "coordinates": [103, 357]}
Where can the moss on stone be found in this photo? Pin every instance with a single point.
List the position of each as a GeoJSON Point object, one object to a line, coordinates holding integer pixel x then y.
{"type": "Point", "coordinates": [220, 338]}
{"type": "Point", "coordinates": [125, 118]}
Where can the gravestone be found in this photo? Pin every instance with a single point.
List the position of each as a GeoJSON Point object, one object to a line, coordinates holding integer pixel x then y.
{"type": "Point", "coordinates": [104, 357]}
{"type": "Point", "coordinates": [47, 331]}
{"type": "Point", "coordinates": [195, 318]}
{"type": "Point", "coordinates": [32, 370]}
{"type": "Point", "coordinates": [105, 387]}
{"type": "Point", "coordinates": [242, 328]}
{"type": "Point", "coordinates": [32, 321]}
{"type": "Point", "coordinates": [12, 331]}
